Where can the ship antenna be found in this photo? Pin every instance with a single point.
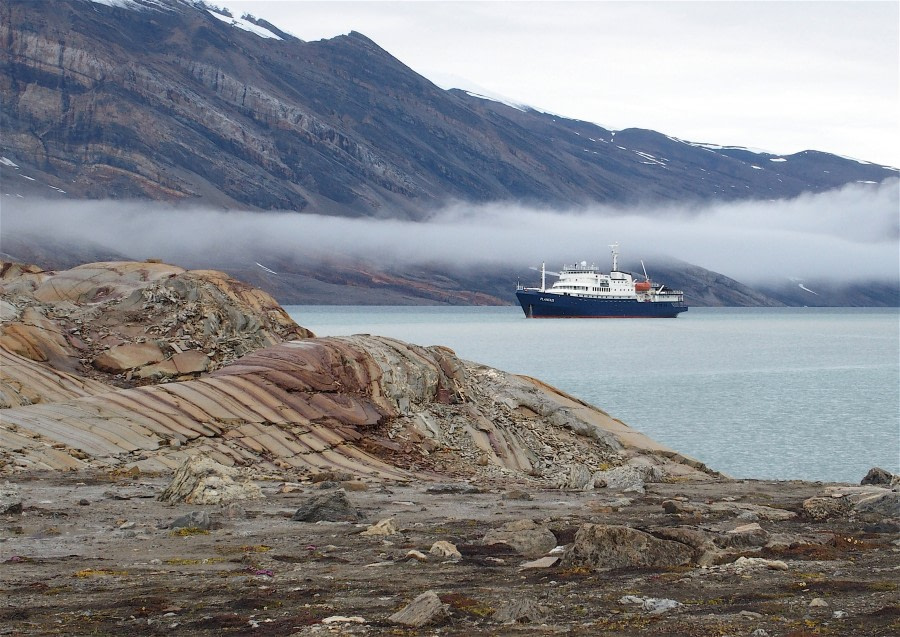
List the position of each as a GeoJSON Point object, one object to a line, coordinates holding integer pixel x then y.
{"type": "Point", "coordinates": [615, 253]}
{"type": "Point", "coordinates": [543, 276]}
{"type": "Point", "coordinates": [644, 268]}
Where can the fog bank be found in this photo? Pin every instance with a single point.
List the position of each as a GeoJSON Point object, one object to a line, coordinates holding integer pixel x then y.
{"type": "Point", "coordinates": [843, 235]}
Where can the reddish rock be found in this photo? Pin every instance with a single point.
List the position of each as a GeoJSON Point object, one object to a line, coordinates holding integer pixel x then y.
{"type": "Point", "coordinates": [38, 338]}
{"type": "Point", "coordinates": [190, 362]}
{"type": "Point", "coordinates": [165, 369]}
{"type": "Point", "coordinates": [124, 357]}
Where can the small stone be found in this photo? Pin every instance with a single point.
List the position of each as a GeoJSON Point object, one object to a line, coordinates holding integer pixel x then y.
{"type": "Point", "coordinates": [233, 511]}
{"type": "Point", "coordinates": [747, 535]}
{"type": "Point", "coordinates": [83, 502]}
{"type": "Point", "coordinates": [818, 508]}
{"type": "Point", "coordinates": [192, 520]}
{"type": "Point", "coordinates": [453, 488]}
{"type": "Point", "coordinates": [416, 555]}
{"type": "Point", "coordinates": [675, 507]}
{"type": "Point", "coordinates": [653, 605]}
{"type": "Point", "coordinates": [544, 562]}
{"type": "Point", "coordinates": [523, 536]}
{"type": "Point", "coordinates": [743, 563]}
{"type": "Point", "coordinates": [382, 527]}
{"type": "Point", "coordinates": [516, 494]}
{"type": "Point", "coordinates": [443, 548]}
{"type": "Point", "coordinates": [340, 619]}
{"type": "Point", "coordinates": [190, 362]}
{"type": "Point", "coordinates": [520, 611]}
{"type": "Point", "coordinates": [656, 606]}
{"type": "Point", "coordinates": [840, 614]}
{"type": "Point", "coordinates": [877, 476]}
{"type": "Point", "coordinates": [425, 609]}
{"type": "Point", "coordinates": [331, 476]}
{"type": "Point", "coordinates": [328, 507]}
{"type": "Point", "coordinates": [818, 602]}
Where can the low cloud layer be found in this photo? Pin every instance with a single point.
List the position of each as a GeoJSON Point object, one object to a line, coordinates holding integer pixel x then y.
{"type": "Point", "coordinates": [844, 235]}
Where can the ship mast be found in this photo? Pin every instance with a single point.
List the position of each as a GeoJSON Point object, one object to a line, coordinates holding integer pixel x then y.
{"type": "Point", "coordinates": [615, 252]}
{"type": "Point", "coordinates": [543, 276]}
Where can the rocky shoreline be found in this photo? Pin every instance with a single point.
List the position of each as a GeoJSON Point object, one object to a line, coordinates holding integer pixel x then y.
{"type": "Point", "coordinates": [99, 553]}
{"type": "Point", "coordinates": [179, 457]}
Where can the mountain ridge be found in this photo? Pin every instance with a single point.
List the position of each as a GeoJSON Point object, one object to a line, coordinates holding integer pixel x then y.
{"type": "Point", "coordinates": [166, 101]}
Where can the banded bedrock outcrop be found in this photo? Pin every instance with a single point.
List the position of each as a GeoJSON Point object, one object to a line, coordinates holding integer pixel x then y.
{"type": "Point", "coordinates": [90, 379]}
{"type": "Point", "coordinates": [131, 323]}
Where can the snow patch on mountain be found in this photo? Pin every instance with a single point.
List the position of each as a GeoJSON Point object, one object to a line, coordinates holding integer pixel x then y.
{"type": "Point", "coordinates": [245, 25]}
{"type": "Point", "coordinates": [650, 158]}
{"type": "Point", "coordinates": [757, 151]}
{"type": "Point", "coordinates": [134, 5]}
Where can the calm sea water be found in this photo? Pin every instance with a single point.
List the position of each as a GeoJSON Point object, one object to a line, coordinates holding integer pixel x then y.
{"type": "Point", "coordinates": [786, 393]}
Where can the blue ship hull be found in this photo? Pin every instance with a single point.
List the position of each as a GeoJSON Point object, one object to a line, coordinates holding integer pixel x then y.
{"type": "Point", "coordinates": [536, 304]}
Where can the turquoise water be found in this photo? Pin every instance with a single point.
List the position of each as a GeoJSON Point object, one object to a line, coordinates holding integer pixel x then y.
{"type": "Point", "coordinates": [786, 393]}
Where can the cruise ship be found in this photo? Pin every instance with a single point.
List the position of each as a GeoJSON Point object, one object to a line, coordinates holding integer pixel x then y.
{"type": "Point", "coordinates": [582, 291]}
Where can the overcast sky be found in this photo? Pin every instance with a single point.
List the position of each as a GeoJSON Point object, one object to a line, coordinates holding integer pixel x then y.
{"type": "Point", "coordinates": [777, 76]}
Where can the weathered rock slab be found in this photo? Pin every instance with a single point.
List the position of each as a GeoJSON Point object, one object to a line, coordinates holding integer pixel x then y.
{"type": "Point", "coordinates": [606, 546]}
{"type": "Point", "coordinates": [424, 610]}
{"type": "Point", "coordinates": [201, 480]}
{"type": "Point", "coordinates": [328, 507]}
{"type": "Point", "coordinates": [524, 537]}
{"type": "Point", "coordinates": [121, 358]}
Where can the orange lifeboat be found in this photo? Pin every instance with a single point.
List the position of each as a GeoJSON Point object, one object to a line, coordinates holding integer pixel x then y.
{"type": "Point", "coordinates": [642, 286]}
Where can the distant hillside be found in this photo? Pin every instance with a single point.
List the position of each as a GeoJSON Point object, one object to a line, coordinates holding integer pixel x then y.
{"type": "Point", "coordinates": [166, 100]}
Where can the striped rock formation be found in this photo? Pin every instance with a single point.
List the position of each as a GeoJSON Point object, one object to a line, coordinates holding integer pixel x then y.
{"type": "Point", "coordinates": [131, 323]}
{"type": "Point", "coordinates": [368, 405]}
{"type": "Point", "coordinates": [371, 406]}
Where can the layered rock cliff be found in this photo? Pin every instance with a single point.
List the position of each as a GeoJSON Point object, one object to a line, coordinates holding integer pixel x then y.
{"type": "Point", "coordinates": [368, 405]}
